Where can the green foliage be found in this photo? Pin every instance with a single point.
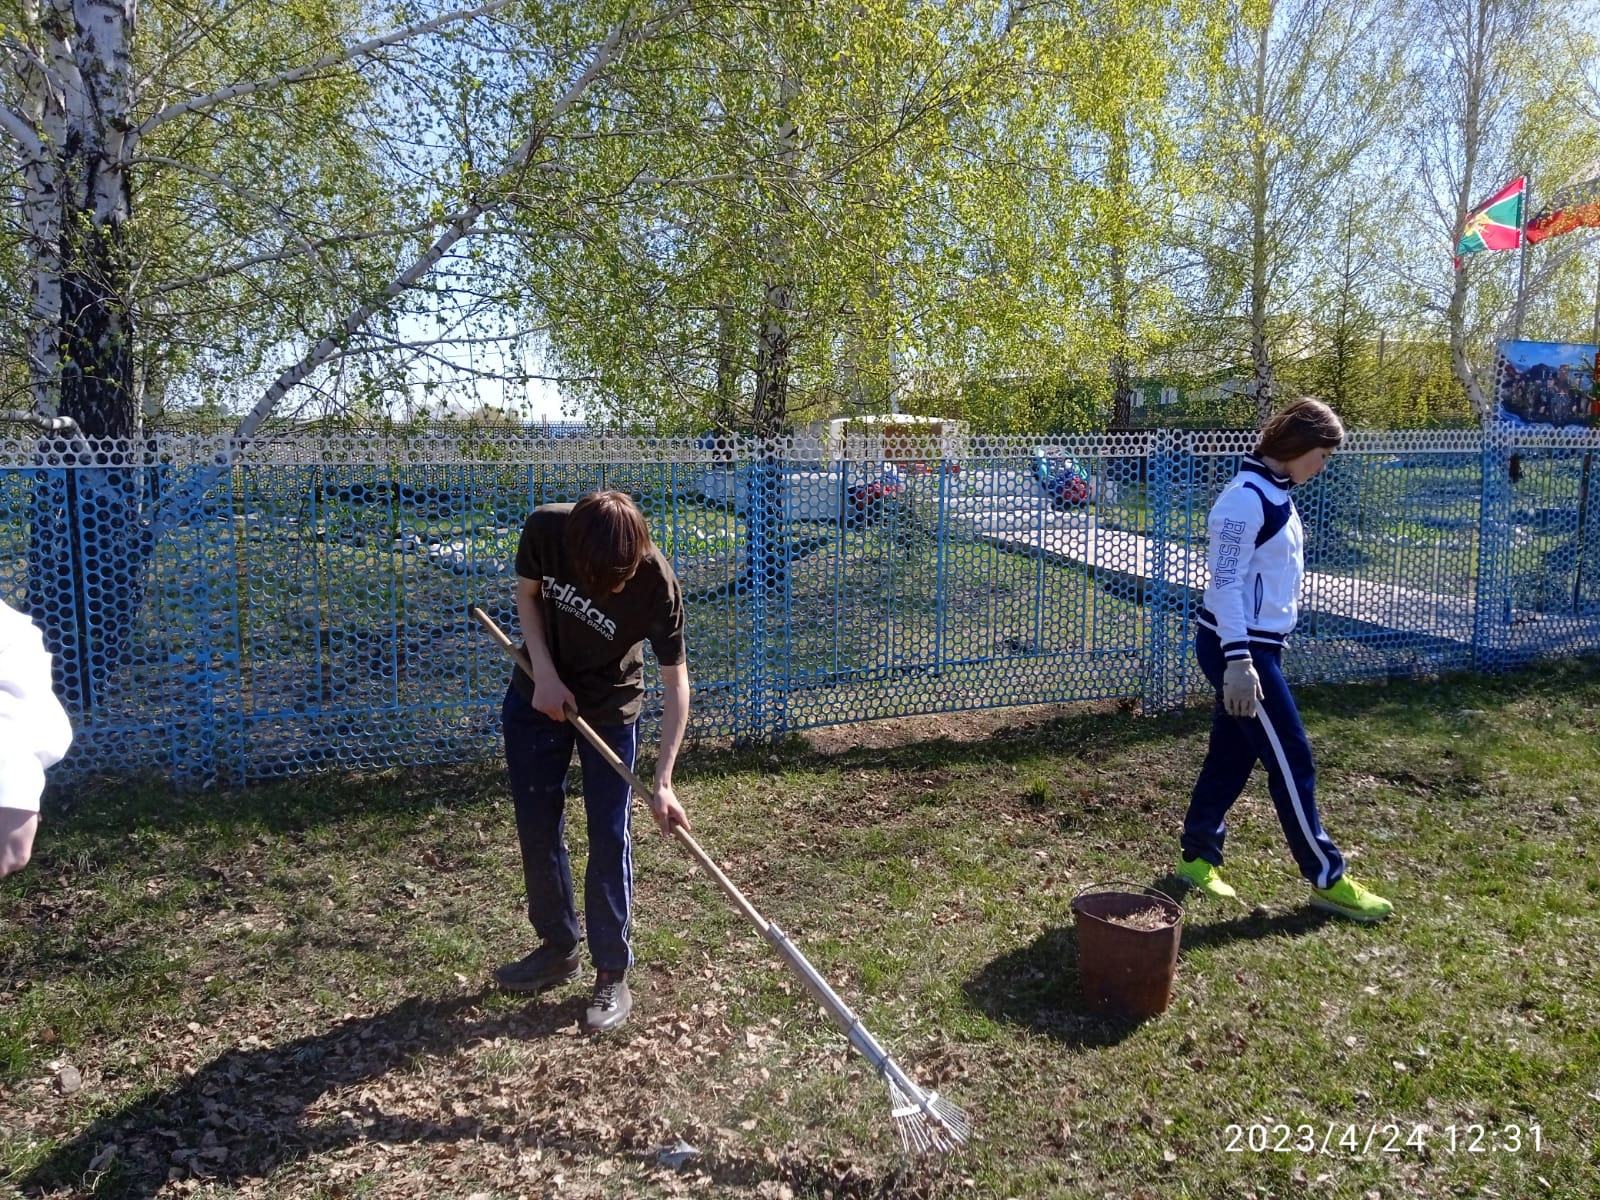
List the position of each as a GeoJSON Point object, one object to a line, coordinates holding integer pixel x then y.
{"type": "Point", "coordinates": [1377, 383]}
{"type": "Point", "coordinates": [1050, 404]}
{"type": "Point", "coordinates": [762, 216]}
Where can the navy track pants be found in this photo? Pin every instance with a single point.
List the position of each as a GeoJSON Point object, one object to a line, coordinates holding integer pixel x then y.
{"type": "Point", "coordinates": [1275, 738]}
{"type": "Point", "coordinates": [538, 755]}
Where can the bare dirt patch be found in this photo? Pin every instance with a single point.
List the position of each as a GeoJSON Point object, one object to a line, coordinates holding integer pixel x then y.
{"type": "Point", "coordinates": [981, 726]}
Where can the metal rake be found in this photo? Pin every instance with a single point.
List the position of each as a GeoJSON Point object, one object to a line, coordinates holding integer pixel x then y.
{"type": "Point", "coordinates": [926, 1121]}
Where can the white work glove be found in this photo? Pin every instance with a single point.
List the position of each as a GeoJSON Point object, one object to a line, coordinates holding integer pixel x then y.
{"type": "Point", "coordinates": [1241, 688]}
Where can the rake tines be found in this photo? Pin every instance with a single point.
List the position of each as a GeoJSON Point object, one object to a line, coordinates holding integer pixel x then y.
{"type": "Point", "coordinates": [927, 1122]}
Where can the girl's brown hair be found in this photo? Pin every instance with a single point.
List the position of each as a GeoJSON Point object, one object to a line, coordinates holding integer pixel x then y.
{"type": "Point", "coordinates": [606, 539]}
{"type": "Point", "coordinates": [1304, 425]}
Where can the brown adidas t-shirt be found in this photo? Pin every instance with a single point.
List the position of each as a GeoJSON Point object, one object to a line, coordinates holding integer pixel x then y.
{"type": "Point", "coordinates": [597, 642]}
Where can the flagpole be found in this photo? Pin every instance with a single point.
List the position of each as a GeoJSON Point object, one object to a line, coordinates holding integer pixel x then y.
{"type": "Point", "coordinates": [1588, 456]}
{"type": "Point", "coordinates": [1596, 339]}
{"type": "Point", "coordinates": [1522, 258]}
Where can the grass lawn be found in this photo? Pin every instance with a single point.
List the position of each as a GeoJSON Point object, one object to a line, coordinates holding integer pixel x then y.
{"type": "Point", "coordinates": [282, 991]}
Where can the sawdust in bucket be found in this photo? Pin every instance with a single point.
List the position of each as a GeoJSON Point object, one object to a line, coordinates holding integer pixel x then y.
{"type": "Point", "coordinates": [1154, 917]}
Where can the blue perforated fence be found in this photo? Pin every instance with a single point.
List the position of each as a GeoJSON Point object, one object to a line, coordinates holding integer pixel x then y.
{"type": "Point", "coordinates": [225, 615]}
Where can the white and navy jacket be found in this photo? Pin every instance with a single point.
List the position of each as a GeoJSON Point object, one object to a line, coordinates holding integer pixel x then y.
{"type": "Point", "coordinates": [34, 730]}
{"type": "Point", "coordinates": [1256, 560]}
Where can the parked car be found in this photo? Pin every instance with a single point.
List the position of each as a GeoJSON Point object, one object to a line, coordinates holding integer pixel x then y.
{"type": "Point", "coordinates": [1065, 483]}
{"type": "Point", "coordinates": [869, 499]}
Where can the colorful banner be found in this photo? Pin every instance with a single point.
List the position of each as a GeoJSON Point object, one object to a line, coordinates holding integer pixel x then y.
{"type": "Point", "coordinates": [1496, 224]}
{"type": "Point", "coordinates": [1545, 383]}
{"type": "Point", "coordinates": [1572, 207]}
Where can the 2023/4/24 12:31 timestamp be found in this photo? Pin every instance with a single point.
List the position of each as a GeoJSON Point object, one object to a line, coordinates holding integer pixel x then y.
{"type": "Point", "coordinates": [1382, 1138]}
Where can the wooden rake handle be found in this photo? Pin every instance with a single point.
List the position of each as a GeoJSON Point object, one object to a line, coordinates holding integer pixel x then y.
{"type": "Point", "coordinates": [520, 656]}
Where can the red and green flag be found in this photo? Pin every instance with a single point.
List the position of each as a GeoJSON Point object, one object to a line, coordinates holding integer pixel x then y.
{"type": "Point", "coordinates": [1496, 224]}
{"type": "Point", "coordinates": [1572, 207]}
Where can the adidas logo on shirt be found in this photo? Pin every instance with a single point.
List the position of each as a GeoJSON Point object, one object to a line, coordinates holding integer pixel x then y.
{"type": "Point", "coordinates": [572, 601]}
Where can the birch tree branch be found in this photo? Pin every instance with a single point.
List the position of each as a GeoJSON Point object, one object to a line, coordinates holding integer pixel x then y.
{"type": "Point", "coordinates": [332, 59]}
{"type": "Point", "coordinates": [279, 213]}
{"type": "Point", "coordinates": [24, 416]}
{"type": "Point", "coordinates": [287, 254]}
{"type": "Point", "coordinates": [20, 132]}
{"type": "Point", "coordinates": [459, 227]}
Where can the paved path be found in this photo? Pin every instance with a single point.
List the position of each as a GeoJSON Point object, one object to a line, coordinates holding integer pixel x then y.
{"type": "Point", "coordinates": [1078, 537]}
{"type": "Point", "coordinates": [1005, 508]}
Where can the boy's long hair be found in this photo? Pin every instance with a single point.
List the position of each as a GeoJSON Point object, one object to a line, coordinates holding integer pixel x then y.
{"type": "Point", "coordinates": [1304, 425]}
{"type": "Point", "coordinates": [606, 540]}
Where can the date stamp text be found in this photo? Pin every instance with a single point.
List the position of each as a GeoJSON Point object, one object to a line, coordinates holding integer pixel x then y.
{"type": "Point", "coordinates": [1358, 1140]}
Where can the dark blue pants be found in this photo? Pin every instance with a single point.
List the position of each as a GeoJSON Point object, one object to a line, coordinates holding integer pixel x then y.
{"type": "Point", "coordinates": [1275, 738]}
{"type": "Point", "coordinates": [538, 756]}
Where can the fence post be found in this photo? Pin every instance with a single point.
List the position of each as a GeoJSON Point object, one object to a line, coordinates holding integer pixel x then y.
{"type": "Point", "coordinates": [1491, 620]}
{"type": "Point", "coordinates": [229, 763]}
{"type": "Point", "coordinates": [760, 713]}
{"type": "Point", "coordinates": [194, 754]}
{"type": "Point", "coordinates": [941, 524]}
{"type": "Point", "coordinates": [1169, 479]}
{"type": "Point", "coordinates": [201, 597]}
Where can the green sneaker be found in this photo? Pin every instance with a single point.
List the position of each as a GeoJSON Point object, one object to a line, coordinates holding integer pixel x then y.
{"type": "Point", "coordinates": [1198, 873]}
{"type": "Point", "coordinates": [1349, 899]}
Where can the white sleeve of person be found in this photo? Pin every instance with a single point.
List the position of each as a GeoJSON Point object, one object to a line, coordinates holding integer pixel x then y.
{"type": "Point", "coordinates": [1236, 518]}
{"type": "Point", "coordinates": [34, 730]}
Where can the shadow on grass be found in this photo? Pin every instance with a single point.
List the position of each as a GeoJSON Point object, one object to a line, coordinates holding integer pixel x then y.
{"type": "Point", "coordinates": [248, 1114]}
{"type": "Point", "coordinates": [108, 808]}
{"type": "Point", "coordinates": [93, 819]}
{"type": "Point", "coordinates": [1090, 735]}
{"type": "Point", "coordinates": [1409, 705]}
{"type": "Point", "coordinates": [1198, 936]}
{"type": "Point", "coordinates": [99, 821]}
{"type": "Point", "coordinates": [245, 1114]}
{"type": "Point", "coordinates": [1236, 922]}
{"type": "Point", "coordinates": [1038, 986]}
{"type": "Point", "coordinates": [1108, 728]}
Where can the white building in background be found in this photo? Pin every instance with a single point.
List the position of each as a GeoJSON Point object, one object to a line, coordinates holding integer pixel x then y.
{"type": "Point", "coordinates": [892, 437]}
{"type": "Point", "coordinates": [851, 453]}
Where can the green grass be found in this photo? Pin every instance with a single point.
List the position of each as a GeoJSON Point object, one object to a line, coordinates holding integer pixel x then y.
{"type": "Point", "coordinates": [281, 991]}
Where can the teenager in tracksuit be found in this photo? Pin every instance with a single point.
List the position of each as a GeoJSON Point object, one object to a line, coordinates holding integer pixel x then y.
{"type": "Point", "coordinates": [591, 588]}
{"type": "Point", "coordinates": [1256, 564]}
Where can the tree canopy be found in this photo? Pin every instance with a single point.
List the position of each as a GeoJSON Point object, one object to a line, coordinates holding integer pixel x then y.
{"type": "Point", "coordinates": [752, 216]}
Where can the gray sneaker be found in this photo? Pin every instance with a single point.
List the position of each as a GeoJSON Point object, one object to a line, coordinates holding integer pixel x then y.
{"type": "Point", "coordinates": [611, 1004]}
{"type": "Point", "coordinates": [544, 968]}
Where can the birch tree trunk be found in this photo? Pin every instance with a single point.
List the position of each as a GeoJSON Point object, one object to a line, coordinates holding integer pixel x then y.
{"type": "Point", "coordinates": [772, 349]}
{"type": "Point", "coordinates": [1119, 176]}
{"type": "Point", "coordinates": [76, 138]}
{"type": "Point", "coordinates": [1482, 93]}
{"type": "Point", "coordinates": [1310, 86]}
{"type": "Point", "coordinates": [1473, 65]}
{"type": "Point", "coordinates": [1261, 383]}
{"type": "Point", "coordinates": [89, 545]}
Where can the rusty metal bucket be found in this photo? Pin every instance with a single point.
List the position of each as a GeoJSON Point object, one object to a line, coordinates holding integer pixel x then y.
{"type": "Point", "coordinates": [1126, 970]}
